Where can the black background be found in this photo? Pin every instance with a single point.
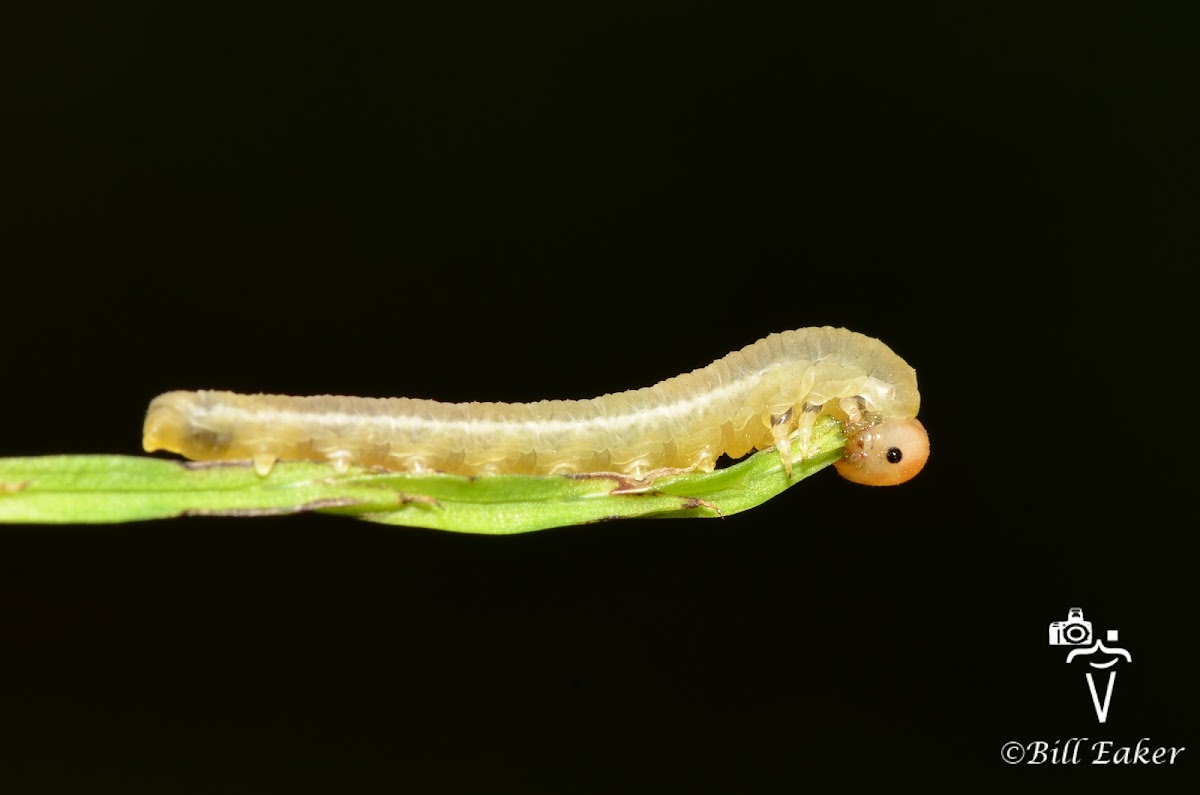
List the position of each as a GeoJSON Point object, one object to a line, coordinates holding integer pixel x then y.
{"type": "Point", "coordinates": [522, 200]}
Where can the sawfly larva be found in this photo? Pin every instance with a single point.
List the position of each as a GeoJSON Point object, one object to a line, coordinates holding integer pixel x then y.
{"type": "Point", "coordinates": [751, 399]}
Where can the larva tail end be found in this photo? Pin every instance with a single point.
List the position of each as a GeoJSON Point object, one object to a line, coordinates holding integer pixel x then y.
{"type": "Point", "coordinates": [165, 424]}
{"type": "Point", "coordinates": [886, 454]}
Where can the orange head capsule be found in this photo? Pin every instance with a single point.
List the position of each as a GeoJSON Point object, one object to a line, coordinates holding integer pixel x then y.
{"type": "Point", "coordinates": [886, 454]}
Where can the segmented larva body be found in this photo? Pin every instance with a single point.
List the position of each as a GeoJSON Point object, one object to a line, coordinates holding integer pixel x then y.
{"type": "Point", "coordinates": [751, 399]}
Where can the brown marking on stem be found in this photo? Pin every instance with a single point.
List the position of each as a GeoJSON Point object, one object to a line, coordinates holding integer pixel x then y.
{"type": "Point", "coordinates": [241, 463]}
{"type": "Point", "coordinates": [628, 484]}
{"type": "Point", "coordinates": [311, 505]}
{"type": "Point", "coordinates": [423, 499]}
{"type": "Point", "coordinates": [696, 502]}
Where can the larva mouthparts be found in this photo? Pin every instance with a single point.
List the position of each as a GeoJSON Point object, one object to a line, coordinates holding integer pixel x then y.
{"type": "Point", "coordinates": [750, 399]}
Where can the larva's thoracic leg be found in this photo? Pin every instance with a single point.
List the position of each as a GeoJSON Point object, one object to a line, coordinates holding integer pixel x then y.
{"type": "Point", "coordinates": [854, 408]}
{"type": "Point", "coordinates": [808, 418]}
{"type": "Point", "coordinates": [858, 418]}
{"type": "Point", "coordinates": [781, 429]}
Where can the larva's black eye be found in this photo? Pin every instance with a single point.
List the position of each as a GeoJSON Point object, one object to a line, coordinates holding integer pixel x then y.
{"type": "Point", "coordinates": [885, 454]}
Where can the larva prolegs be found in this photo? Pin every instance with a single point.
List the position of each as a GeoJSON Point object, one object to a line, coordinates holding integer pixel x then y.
{"type": "Point", "coordinates": [264, 463]}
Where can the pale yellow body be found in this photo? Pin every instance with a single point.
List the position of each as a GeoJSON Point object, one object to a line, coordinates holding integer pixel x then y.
{"type": "Point", "coordinates": [750, 399]}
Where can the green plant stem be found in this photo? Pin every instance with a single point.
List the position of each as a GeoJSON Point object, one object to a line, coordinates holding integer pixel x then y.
{"type": "Point", "coordinates": [100, 489]}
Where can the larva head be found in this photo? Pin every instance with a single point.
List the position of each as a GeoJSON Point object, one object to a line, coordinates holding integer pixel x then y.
{"type": "Point", "coordinates": [886, 454]}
